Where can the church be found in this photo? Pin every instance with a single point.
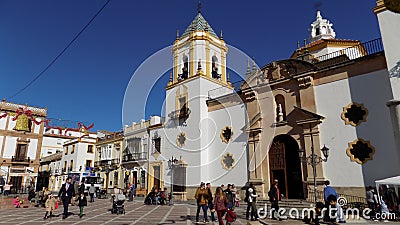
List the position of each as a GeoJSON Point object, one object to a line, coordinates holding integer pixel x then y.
{"type": "Point", "coordinates": [302, 120]}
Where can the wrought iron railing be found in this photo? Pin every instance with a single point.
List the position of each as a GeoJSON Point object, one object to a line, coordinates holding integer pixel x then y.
{"type": "Point", "coordinates": [346, 201]}
{"type": "Point", "coordinates": [350, 53]}
{"type": "Point", "coordinates": [183, 113]}
{"type": "Point", "coordinates": [136, 156]}
{"type": "Point", "coordinates": [107, 162]}
{"type": "Point", "coordinates": [19, 159]}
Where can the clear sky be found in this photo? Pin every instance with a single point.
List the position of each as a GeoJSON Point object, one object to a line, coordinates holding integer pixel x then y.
{"type": "Point", "coordinates": [88, 81]}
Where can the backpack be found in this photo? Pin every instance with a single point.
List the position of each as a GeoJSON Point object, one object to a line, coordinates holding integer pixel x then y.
{"type": "Point", "coordinates": [270, 194]}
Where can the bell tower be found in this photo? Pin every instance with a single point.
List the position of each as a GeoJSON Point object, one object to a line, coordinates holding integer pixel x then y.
{"type": "Point", "coordinates": [199, 52]}
{"type": "Point", "coordinates": [321, 29]}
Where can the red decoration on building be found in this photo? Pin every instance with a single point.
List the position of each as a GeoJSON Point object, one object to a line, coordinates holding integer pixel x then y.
{"type": "Point", "coordinates": [28, 113]}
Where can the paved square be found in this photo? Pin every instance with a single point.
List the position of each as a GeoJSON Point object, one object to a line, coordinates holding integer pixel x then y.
{"type": "Point", "coordinates": [99, 213]}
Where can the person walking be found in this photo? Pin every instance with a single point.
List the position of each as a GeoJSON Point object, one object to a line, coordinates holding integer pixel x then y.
{"type": "Point", "coordinates": [328, 191]}
{"type": "Point", "coordinates": [50, 206]}
{"type": "Point", "coordinates": [66, 192]}
{"type": "Point", "coordinates": [220, 204]}
{"type": "Point", "coordinates": [82, 202]}
{"type": "Point", "coordinates": [7, 188]}
{"type": "Point", "coordinates": [251, 203]}
{"type": "Point", "coordinates": [92, 191]}
{"type": "Point", "coordinates": [274, 195]}
{"type": "Point", "coordinates": [210, 202]}
{"type": "Point", "coordinates": [370, 198]}
{"type": "Point", "coordinates": [229, 196]}
{"type": "Point", "coordinates": [201, 197]}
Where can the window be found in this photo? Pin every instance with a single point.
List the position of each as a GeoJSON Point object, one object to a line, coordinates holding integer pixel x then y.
{"type": "Point", "coordinates": [65, 166]}
{"type": "Point", "coordinates": [157, 145]}
{"type": "Point", "coordinates": [226, 134]}
{"type": "Point", "coordinates": [90, 149]}
{"type": "Point", "coordinates": [71, 165]}
{"type": "Point", "coordinates": [354, 114]}
{"type": "Point", "coordinates": [214, 67]}
{"type": "Point", "coordinates": [115, 178]}
{"type": "Point", "coordinates": [73, 149]}
{"type": "Point", "coordinates": [66, 150]}
{"type": "Point", "coordinates": [89, 163]}
{"type": "Point", "coordinates": [20, 153]}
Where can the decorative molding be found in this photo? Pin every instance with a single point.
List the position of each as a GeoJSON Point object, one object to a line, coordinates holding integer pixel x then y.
{"type": "Point", "coordinates": [228, 161]}
{"type": "Point", "coordinates": [305, 82]}
{"type": "Point", "coordinates": [360, 151]}
{"type": "Point", "coordinates": [354, 114]}
{"type": "Point", "coordinates": [226, 134]}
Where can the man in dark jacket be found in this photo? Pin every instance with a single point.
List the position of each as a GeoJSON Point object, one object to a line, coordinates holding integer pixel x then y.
{"type": "Point", "coordinates": [274, 197]}
{"type": "Point", "coordinates": [210, 202]}
{"type": "Point", "coordinates": [66, 193]}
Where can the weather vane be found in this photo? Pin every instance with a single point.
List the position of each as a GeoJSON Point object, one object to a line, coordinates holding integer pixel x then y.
{"type": "Point", "coordinates": [199, 7]}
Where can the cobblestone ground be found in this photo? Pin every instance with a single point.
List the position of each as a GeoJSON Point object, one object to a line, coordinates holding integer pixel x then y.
{"type": "Point", "coordinates": [99, 213]}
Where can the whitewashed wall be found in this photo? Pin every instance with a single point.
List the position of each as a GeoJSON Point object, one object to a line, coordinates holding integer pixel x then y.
{"type": "Point", "coordinates": [330, 100]}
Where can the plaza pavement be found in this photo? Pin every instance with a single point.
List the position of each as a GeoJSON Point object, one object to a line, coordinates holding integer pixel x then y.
{"type": "Point", "coordinates": [98, 213]}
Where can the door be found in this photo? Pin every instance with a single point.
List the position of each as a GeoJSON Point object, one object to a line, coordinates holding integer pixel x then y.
{"type": "Point", "coordinates": [285, 166]}
{"type": "Point", "coordinates": [277, 165]}
{"type": "Point", "coordinates": [157, 176]}
{"type": "Point", "coordinates": [16, 183]}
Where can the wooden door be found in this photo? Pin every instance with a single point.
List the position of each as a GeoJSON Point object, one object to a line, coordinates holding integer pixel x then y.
{"type": "Point", "coordinates": [277, 166]}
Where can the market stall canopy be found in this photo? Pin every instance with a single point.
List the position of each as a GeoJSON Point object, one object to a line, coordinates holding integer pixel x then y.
{"type": "Point", "coordinates": [389, 181]}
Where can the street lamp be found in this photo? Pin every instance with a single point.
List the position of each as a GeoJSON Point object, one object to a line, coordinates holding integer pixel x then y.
{"type": "Point", "coordinates": [171, 165]}
{"type": "Point", "coordinates": [314, 160]}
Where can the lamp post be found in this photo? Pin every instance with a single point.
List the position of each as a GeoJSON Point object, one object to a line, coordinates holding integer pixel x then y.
{"type": "Point", "coordinates": [314, 160]}
{"type": "Point", "coordinates": [171, 165]}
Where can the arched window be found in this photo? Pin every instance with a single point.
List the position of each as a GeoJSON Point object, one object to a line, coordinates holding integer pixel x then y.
{"type": "Point", "coordinates": [280, 108]}
{"type": "Point", "coordinates": [317, 32]}
{"type": "Point", "coordinates": [214, 67]}
{"type": "Point", "coordinates": [185, 68]}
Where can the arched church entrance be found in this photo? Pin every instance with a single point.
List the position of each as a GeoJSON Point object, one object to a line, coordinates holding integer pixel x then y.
{"type": "Point", "coordinates": [284, 165]}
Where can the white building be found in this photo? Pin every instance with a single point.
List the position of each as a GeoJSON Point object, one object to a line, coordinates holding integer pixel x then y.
{"type": "Point", "coordinates": [51, 154]}
{"type": "Point", "coordinates": [389, 20]}
{"type": "Point", "coordinates": [21, 135]}
{"type": "Point", "coordinates": [321, 95]}
{"type": "Point", "coordinates": [136, 154]}
{"type": "Point", "coordinates": [107, 163]}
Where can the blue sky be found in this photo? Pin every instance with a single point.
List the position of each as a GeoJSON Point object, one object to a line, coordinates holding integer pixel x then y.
{"type": "Point", "coordinates": [88, 82]}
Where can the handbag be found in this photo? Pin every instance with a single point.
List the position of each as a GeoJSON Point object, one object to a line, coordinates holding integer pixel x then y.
{"type": "Point", "coordinates": [56, 207]}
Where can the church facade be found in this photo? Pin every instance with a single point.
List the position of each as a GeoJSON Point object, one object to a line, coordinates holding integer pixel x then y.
{"type": "Point", "coordinates": [316, 106]}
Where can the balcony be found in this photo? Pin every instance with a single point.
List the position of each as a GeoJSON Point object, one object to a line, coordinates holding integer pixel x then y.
{"type": "Point", "coordinates": [180, 114]}
{"type": "Point", "coordinates": [109, 164]}
{"type": "Point", "coordinates": [135, 159]}
{"type": "Point", "coordinates": [20, 160]}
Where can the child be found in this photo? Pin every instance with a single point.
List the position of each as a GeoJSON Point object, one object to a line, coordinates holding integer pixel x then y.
{"type": "Point", "coordinates": [315, 215]}
{"type": "Point", "coordinates": [50, 206]}
{"type": "Point", "coordinates": [82, 203]}
{"type": "Point", "coordinates": [339, 218]}
{"type": "Point", "coordinates": [17, 202]}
